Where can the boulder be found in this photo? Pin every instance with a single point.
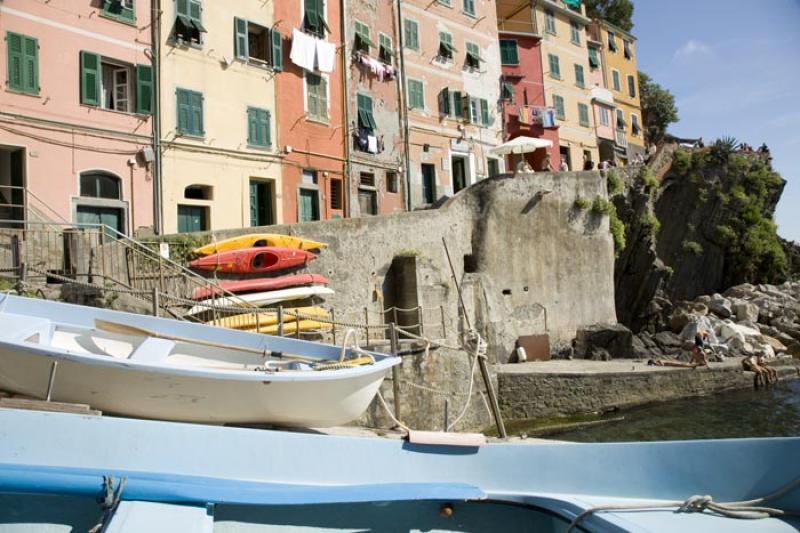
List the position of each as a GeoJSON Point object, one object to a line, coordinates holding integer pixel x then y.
{"type": "Point", "coordinates": [616, 340]}
{"type": "Point", "coordinates": [669, 342]}
{"type": "Point", "coordinates": [704, 299]}
{"type": "Point", "coordinates": [749, 325]}
{"type": "Point", "coordinates": [700, 323]}
{"type": "Point", "coordinates": [745, 290]}
{"type": "Point", "coordinates": [745, 311]}
{"type": "Point", "coordinates": [720, 306]}
{"type": "Point", "coordinates": [678, 320]}
{"type": "Point", "coordinates": [729, 329]}
{"type": "Point", "coordinates": [699, 309]}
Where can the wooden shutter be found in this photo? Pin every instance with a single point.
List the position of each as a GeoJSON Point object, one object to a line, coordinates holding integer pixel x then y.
{"type": "Point", "coordinates": [184, 111]}
{"type": "Point", "coordinates": [14, 47]}
{"type": "Point", "coordinates": [323, 97]}
{"type": "Point", "coordinates": [240, 43]}
{"type": "Point", "coordinates": [252, 127]}
{"type": "Point", "coordinates": [444, 101]}
{"type": "Point", "coordinates": [458, 105]}
{"type": "Point", "coordinates": [277, 50]}
{"type": "Point", "coordinates": [484, 112]}
{"type": "Point", "coordinates": [31, 65]}
{"type": "Point", "coordinates": [90, 78]}
{"type": "Point", "coordinates": [144, 89]}
{"type": "Point", "coordinates": [194, 10]}
{"type": "Point", "coordinates": [182, 7]}
{"type": "Point", "coordinates": [267, 116]}
{"type": "Point", "coordinates": [197, 113]}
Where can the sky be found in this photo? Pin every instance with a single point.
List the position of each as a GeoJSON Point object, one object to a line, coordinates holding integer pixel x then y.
{"type": "Point", "coordinates": [734, 68]}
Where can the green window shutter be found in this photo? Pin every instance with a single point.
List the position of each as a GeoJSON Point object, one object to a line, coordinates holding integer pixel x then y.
{"type": "Point", "coordinates": [385, 52]}
{"type": "Point", "coordinates": [579, 79]}
{"type": "Point", "coordinates": [444, 101]}
{"type": "Point", "coordinates": [15, 57]}
{"type": "Point", "coordinates": [549, 21]}
{"type": "Point", "coordinates": [507, 91]}
{"type": "Point", "coordinates": [365, 118]}
{"type": "Point", "coordinates": [555, 67]}
{"type": "Point", "coordinates": [575, 33]}
{"type": "Point", "coordinates": [144, 89]}
{"type": "Point", "coordinates": [323, 97]}
{"type": "Point", "coordinates": [184, 111]}
{"type": "Point", "coordinates": [182, 7]}
{"type": "Point", "coordinates": [416, 99]}
{"type": "Point", "coordinates": [412, 34]}
{"type": "Point", "coordinates": [508, 52]}
{"type": "Point", "coordinates": [31, 65]}
{"type": "Point", "coordinates": [594, 62]}
{"type": "Point", "coordinates": [277, 50]}
{"type": "Point", "coordinates": [615, 80]}
{"type": "Point", "coordinates": [194, 10]}
{"type": "Point", "coordinates": [90, 78]}
{"type": "Point", "coordinates": [252, 127]}
{"type": "Point", "coordinates": [458, 105]}
{"type": "Point", "coordinates": [240, 42]}
{"type": "Point", "coordinates": [631, 87]}
{"type": "Point", "coordinates": [469, 7]}
{"type": "Point", "coordinates": [558, 103]}
{"type": "Point", "coordinates": [197, 113]}
{"type": "Point", "coordinates": [484, 112]}
{"type": "Point", "coordinates": [583, 114]}
{"type": "Point", "coordinates": [266, 125]}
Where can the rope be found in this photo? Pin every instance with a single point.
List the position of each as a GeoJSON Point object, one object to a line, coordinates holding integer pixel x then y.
{"type": "Point", "coordinates": [479, 347]}
{"type": "Point", "coordinates": [746, 510]}
{"type": "Point", "coordinates": [109, 501]}
{"type": "Point", "coordinates": [391, 414]}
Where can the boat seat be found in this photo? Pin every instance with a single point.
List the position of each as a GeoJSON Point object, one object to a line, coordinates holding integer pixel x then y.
{"type": "Point", "coordinates": [152, 350]}
{"type": "Point", "coordinates": [24, 327]}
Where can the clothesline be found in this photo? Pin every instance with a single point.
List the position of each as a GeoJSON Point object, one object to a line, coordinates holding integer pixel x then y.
{"type": "Point", "coordinates": [312, 54]}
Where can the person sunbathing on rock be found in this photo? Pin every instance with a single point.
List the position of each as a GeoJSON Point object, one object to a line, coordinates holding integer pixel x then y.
{"type": "Point", "coordinates": [764, 375]}
{"type": "Point", "coordinates": [771, 373]}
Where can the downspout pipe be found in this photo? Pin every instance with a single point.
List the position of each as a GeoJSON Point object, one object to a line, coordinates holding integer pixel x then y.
{"type": "Point", "coordinates": [155, 26]}
{"type": "Point", "coordinates": [346, 111]}
{"type": "Point", "coordinates": [401, 81]}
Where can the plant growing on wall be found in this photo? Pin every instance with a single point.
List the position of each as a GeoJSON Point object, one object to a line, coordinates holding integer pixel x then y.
{"type": "Point", "coordinates": [613, 183]}
{"type": "Point", "coordinates": [582, 203]}
{"type": "Point", "coordinates": [692, 247]}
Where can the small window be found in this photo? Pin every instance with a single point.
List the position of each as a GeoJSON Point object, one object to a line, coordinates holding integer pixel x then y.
{"type": "Point", "coordinates": [473, 59]}
{"type": "Point", "coordinates": [446, 48]}
{"type": "Point", "coordinates": [115, 86]}
{"type": "Point", "coordinates": [366, 120]}
{"type": "Point", "coordinates": [615, 83]}
{"type": "Point", "coordinates": [192, 218]}
{"type": "Point", "coordinates": [492, 167]}
{"type": "Point", "coordinates": [197, 192]}
{"type": "Point", "coordinates": [612, 42]}
{"type": "Point", "coordinates": [316, 97]}
{"type": "Point", "coordinates": [122, 10]}
{"type": "Point", "coordinates": [314, 18]}
{"type": "Point", "coordinates": [620, 119]}
{"type": "Point", "coordinates": [575, 32]}
{"type": "Point", "coordinates": [258, 43]}
{"type": "Point", "coordinates": [478, 111]}
{"type": "Point", "coordinates": [416, 95]}
{"type": "Point", "coordinates": [309, 177]}
{"type": "Point", "coordinates": [594, 60]}
{"type": "Point", "coordinates": [605, 120]}
{"type": "Point", "coordinates": [100, 185]}
{"type": "Point", "coordinates": [444, 2]}
{"type": "Point", "coordinates": [509, 54]}
{"type": "Point", "coordinates": [579, 78]}
{"type": "Point", "coordinates": [507, 91]}
{"type": "Point", "coordinates": [188, 26]}
{"type": "Point", "coordinates": [367, 179]}
{"type": "Point", "coordinates": [190, 112]}
{"type": "Point", "coordinates": [583, 115]}
{"type": "Point", "coordinates": [626, 47]}
{"type": "Point", "coordinates": [635, 128]}
{"type": "Point", "coordinates": [258, 126]}
{"type": "Point", "coordinates": [411, 34]}
{"type": "Point", "coordinates": [385, 52]}
{"type": "Point", "coordinates": [336, 193]}
{"type": "Point", "coordinates": [549, 21]}
{"type": "Point", "coordinates": [558, 104]}
{"type": "Point", "coordinates": [391, 181]}
{"type": "Point", "coordinates": [469, 7]}
{"type": "Point", "coordinates": [555, 67]}
{"type": "Point", "coordinates": [631, 87]}
{"type": "Point", "coordinates": [362, 41]}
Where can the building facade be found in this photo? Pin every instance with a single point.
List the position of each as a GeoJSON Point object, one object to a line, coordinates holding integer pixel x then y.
{"type": "Point", "coordinates": [75, 120]}
{"type": "Point", "coordinates": [375, 143]}
{"type": "Point", "coordinates": [603, 106]}
{"type": "Point", "coordinates": [619, 65]}
{"type": "Point", "coordinates": [565, 55]}
{"type": "Point", "coordinates": [220, 159]}
{"type": "Point", "coordinates": [311, 112]}
{"type": "Point", "coordinates": [451, 69]}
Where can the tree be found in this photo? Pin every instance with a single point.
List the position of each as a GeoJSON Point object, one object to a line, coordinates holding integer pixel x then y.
{"type": "Point", "coordinates": [617, 12]}
{"type": "Point", "coordinates": [658, 109]}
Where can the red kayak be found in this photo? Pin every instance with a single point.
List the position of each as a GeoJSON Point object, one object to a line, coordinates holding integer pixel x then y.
{"type": "Point", "coordinates": [252, 260]}
{"type": "Point", "coordinates": [261, 284]}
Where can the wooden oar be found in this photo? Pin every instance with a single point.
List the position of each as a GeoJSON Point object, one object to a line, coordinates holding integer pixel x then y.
{"type": "Point", "coordinates": [124, 329]}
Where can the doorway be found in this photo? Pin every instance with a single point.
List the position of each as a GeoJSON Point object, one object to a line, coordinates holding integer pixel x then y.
{"type": "Point", "coordinates": [12, 185]}
{"type": "Point", "coordinates": [308, 205]}
{"type": "Point", "coordinates": [428, 183]}
{"type": "Point", "coordinates": [459, 174]}
{"type": "Point", "coordinates": [564, 151]}
{"type": "Point", "coordinates": [262, 203]}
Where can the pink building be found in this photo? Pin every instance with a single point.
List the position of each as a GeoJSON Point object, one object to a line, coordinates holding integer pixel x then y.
{"type": "Point", "coordinates": [603, 105]}
{"type": "Point", "coordinates": [75, 112]}
{"type": "Point", "coordinates": [524, 110]}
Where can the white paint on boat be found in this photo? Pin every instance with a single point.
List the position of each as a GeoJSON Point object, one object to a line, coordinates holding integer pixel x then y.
{"type": "Point", "coordinates": [262, 298]}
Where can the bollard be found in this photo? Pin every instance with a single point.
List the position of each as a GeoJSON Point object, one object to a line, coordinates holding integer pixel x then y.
{"type": "Point", "coordinates": [395, 370]}
{"type": "Point", "coordinates": [156, 303]}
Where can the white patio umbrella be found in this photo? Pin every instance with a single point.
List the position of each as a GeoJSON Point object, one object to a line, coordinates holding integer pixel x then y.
{"type": "Point", "coordinates": [521, 145]}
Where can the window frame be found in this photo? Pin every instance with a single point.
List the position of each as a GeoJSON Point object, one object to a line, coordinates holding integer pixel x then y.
{"type": "Point", "coordinates": [308, 94]}
{"type": "Point", "coordinates": [473, 55]}
{"type": "Point", "coordinates": [550, 22]}
{"type": "Point", "coordinates": [574, 33]}
{"type": "Point", "coordinates": [612, 42]}
{"type": "Point", "coordinates": [190, 131]}
{"type": "Point", "coordinates": [604, 116]}
{"type": "Point", "coordinates": [583, 112]}
{"type": "Point", "coordinates": [394, 181]}
{"type": "Point", "coordinates": [580, 81]}
{"type": "Point", "coordinates": [468, 8]}
{"type": "Point", "coordinates": [320, 10]}
{"type": "Point", "coordinates": [626, 49]}
{"type": "Point", "coordinates": [385, 49]}
{"type": "Point", "coordinates": [504, 48]}
{"type": "Point", "coordinates": [636, 126]}
{"type": "Point", "coordinates": [361, 39]}
{"type": "Point", "coordinates": [446, 50]}
{"type": "Point", "coordinates": [616, 81]}
{"type": "Point", "coordinates": [126, 15]}
{"type": "Point", "coordinates": [189, 22]}
{"type": "Point", "coordinates": [254, 115]}
{"type": "Point", "coordinates": [631, 79]}
{"type": "Point", "coordinates": [365, 118]}
{"type": "Point", "coordinates": [421, 85]}
{"type": "Point", "coordinates": [558, 106]}
{"type": "Point", "coordinates": [554, 73]}
{"type": "Point", "coordinates": [406, 41]}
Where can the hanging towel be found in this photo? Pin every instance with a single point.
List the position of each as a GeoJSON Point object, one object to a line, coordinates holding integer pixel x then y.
{"type": "Point", "coordinates": [326, 55]}
{"type": "Point", "coordinates": [372, 144]}
{"type": "Point", "coordinates": [304, 51]}
{"type": "Point", "coordinates": [524, 115]}
{"type": "Point", "coordinates": [362, 140]}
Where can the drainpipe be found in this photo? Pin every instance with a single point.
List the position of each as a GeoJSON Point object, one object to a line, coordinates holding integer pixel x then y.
{"type": "Point", "coordinates": [346, 111]}
{"type": "Point", "coordinates": [401, 96]}
{"type": "Point", "coordinates": [156, 60]}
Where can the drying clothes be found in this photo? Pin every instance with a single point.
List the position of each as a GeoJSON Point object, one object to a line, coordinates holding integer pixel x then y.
{"type": "Point", "coordinates": [548, 119]}
{"type": "Point", "coordinates": [326, 55]}
{"type": "Point", "coordinates": [304, 50]}
{"type": "Point", "coordinates": [372, 144]}
{"type": "Point", "coordinates": [362, 140]}
{"type": "Point", "coordinates": [524, 115]}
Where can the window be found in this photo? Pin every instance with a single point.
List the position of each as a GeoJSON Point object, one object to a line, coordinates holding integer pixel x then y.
{"type": "Point", "coordinates": [555, 68]}
{"type": "Point", "coordinates": [365, 118]}
{"type": "Point", "coordinates": [549, 21]}
{"type": "Point", "coordinates": [469, 7]}
{"type": "Point", "coordinates": [478, 111]}
{"type": "Point", "coordinates": [316, 97]}
{"type": "Point", "coordinates": [307, 204]}
{"type": "Point", "coordinates": [626, 47]}
{"type": "Point", "coordinates": [615, 80]}
{"type": "Point", "coordinates": [473, 56]}
{"type": "Point", "coordinates": [190, 113]}
{"type": "Point", "coordinates": [385, 51]}
{"type": "Point", "coordinates": [428, 183]}
{"type": "Point", "coordinates": [112, 85]}
{"type": "Point", "coordinates": [574, 32]}
{"type": "Point", "coordinates": [362, 41]}
{"type": "Point", "coordinates": [635, 128]}
{"type": "Point", "coordinates": [23, 63]}
{"type": "Point", "coordinates": [594, 60]}
{"type": "Point", "coordinates": [492, 167]}
{"type": "Point", "coordinates": [366, 178]}
{"type": "Point", "coordinates": [509, 54]}
{"type": "Point", "coordinates": [612, 42]}
{"type": "Point", "coordinates": [262, 202]}
{"type": "Point", "coordinates": [100, 185]}
{"type": "Point", "coordinates": [257, 44]}
{"type": "Point", "coordinates": [457, 104]}
{"type": "Point", "coordinates": [631, 87]}
{"type": "Point", "coordinates": [122, 10]}
{"type": "Point", "coordinates": [192, 218]}
{"type": "Point", "coordinates": [558, 103]}
{"type": "Point", "coordinates": [198, 192]}
{"type": "Point", "coordinates": [620, 119]}
{"type": "Point", "coordinates": [314, 17]}
{"type": "Point", "coordinates": [188, 26]}
{"type": "Point", "coordinates": [583, 115]}
{"type": "Point", "coordinates": [258, 133]}
{"type": "Point", "coordinates": [309, 177]}
{"type": "Point", "coordinates": [367, 201]}
{"type": "Point", "coordinates": [391, 181]}
{"type": "Point", "coordinates": [446, 48]}
{"type": "Point", "coordinates": [507, 91]}
{"type": "Point", "coordinates": [416, 95]}
{"type": "Point", "coordinates": [444, 2]}
{"type": "Point", "coordinates": [101, 202]}
{"type": "Point", "coordinates": [604, 117]}
{"type": "Point", "coordinates": [579, 79]}
{"type": "Point", "coordinates": [336, 193]}
{"type": "Point", "coordinates": [411, 34]}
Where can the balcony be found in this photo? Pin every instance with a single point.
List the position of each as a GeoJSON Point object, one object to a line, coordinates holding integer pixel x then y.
{"type": "Point", "coordinates": [621, 139]}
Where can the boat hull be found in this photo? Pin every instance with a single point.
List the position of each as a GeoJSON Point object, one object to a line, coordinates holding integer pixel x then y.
{"type": "Point", "coordinates": [259, 239]}
{"type": "Point", "coordinates": [260, 284]}
{"type": "Point", "coordinates": [262, 298]}
{"type": "Point", "coordinates": [253, 260]}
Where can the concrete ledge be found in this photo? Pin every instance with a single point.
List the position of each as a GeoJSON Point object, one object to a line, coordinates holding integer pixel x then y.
{"type": "Point", "coordinates": [556, 388]}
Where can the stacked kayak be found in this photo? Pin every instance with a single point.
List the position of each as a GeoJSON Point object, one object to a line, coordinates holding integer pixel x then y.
{"type": "Point", "coordinates": [253, 260]}
{"type": "Point", "coordinates": [259, 240]}
{"type": "Point", "coordinates": [260, 284]}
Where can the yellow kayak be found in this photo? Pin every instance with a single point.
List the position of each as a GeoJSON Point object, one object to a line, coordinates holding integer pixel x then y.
{"type": "Point", "coordinates": [247, 321]}
{"type": "Point", "coordinates": [291, 327]}
{"type": "Point", "coordinates": [259, 239]}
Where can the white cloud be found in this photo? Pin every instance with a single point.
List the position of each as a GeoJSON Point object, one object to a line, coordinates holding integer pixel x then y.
{"type": "Point", "coordinates": [693, 48]}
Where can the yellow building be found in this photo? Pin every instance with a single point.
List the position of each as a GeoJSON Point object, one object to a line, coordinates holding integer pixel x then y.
{"type": "Point", "coordinates": [565, 60]}
{"type": "Point", "coordinates": [220, 165]}
{"type": "Point", "coordinates": [622, 79]}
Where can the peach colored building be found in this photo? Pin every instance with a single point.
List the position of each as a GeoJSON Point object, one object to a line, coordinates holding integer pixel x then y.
{"type": "Point", "coordinates": [603, 106]}
{"type": "Point", "coordinates": [310, 114]}
{"type": "Point", "coordinates": [75, 112]}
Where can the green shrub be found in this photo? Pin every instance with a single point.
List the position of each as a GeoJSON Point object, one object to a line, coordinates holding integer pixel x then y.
{"type": "Point", "coordinates": [651, 222]}
{"type": "Point", "coordinates": [692, 247]}
{"type": "Point", "coordinates": [409, 252]}
{"type": "Point", "coordinates": [614, 183]}
{"type": "Point", "coordinates": [726, 235]}
{"type": "Point", "coordinates": [670, 271]}
{"type": "Point", "coordinates": [681, 162]}
{"type": "Point", "coordinates": [601, 206]}
{"type": "Point", "coordinates": [582, 203]}
{"type": "Point", "coordinates": [617, 228]}
{"type": "Point", "coordinates": [648, 178]}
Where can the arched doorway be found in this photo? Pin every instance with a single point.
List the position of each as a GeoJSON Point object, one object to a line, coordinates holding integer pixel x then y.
{"type": "Point", "coordinates": [100, 200]}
